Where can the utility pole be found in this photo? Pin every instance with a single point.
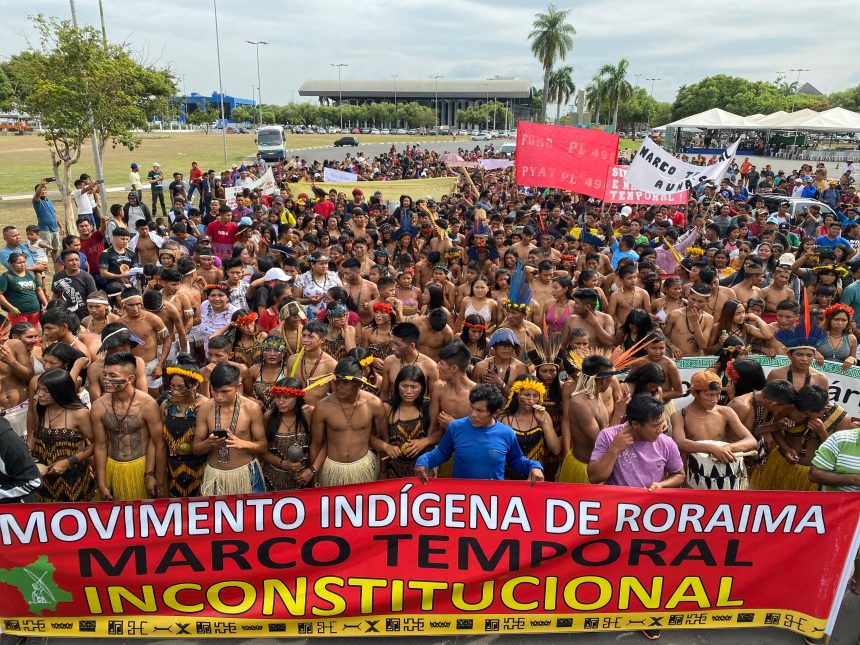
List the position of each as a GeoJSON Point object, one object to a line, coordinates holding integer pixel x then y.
{"type": "Point", "coordinates": [256, 44]}
{"type": "Point", "coordinates": [636, 79]}
{"type": "Point", "coordinates": [94, 139]}
{"type": "Point", "coordinates": [794, 99]}
{"type": "Point", "coordinates": [487, 103]}
{"type": "Point", "coordinates": [436, 103]}
{"type": "Point", "coordinates": [339, 90]}
{"type": "Point", "coordinates": [394, 76]}
{"type": "Point", "coordinates": [651, 96]}
{"type": "Point", "coordinates": [220, 82]}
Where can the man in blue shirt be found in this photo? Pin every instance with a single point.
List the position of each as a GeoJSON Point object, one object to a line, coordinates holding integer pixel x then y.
{"type": "Point", "coordinates": [834, 238]}
{"type": "Point", "coordinates": [479, 444]}
{"type": "Point", "coordinates": [13, 245]}
{"type": "Point", "coordinates": [46, 217]}
{"type": "Point", "coordinates": [623, 248]}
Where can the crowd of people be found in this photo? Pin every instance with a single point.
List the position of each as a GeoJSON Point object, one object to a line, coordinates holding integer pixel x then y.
{"type": "Point", "coordinates": [311, 338]}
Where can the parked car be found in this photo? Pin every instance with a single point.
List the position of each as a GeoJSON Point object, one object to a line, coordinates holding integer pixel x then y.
{"type": "Point", "coordinates": [375, 131]}
{"type": "Point", "coordinates": [400, 131]}
{"type": "Point", "coordinates": [346, 141]}
{"type": "Point", "coordinates": [481, 136]}
{"type": "Point", "coordinates": [796, 205]}
{"type": "Point", "coordinates": [385, 131]}
{"type": "Point", "coordinates": [508, 148]}
{"type": "Point", "coordinates": [494, 134]}
{"type": "Point", "coordinates": [366, 131]}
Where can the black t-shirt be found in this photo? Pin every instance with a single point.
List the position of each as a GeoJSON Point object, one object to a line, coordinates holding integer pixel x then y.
{"type": "Point", "coordinates": [116, 262]}
{"type": "Point", "coordinates": [72, 291]}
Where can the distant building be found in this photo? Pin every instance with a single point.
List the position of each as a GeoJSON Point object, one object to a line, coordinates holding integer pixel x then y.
{"type": "Point", "coordinates": [194, 101]}
{"type": "Point", "coordinates": [808, 88]}
{"type": "Point", "coordinates": [445, 96]}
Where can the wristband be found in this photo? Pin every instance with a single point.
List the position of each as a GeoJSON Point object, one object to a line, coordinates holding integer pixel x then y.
{"type": "Point", "coordinates": [150, 473]}
{"type": "Point", "coordinates": [313, 469]}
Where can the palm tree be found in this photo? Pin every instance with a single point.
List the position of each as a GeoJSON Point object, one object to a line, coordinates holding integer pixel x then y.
{"type": "Point", "coordinates": [618, 87]}
{"type": "Point", "coordinates": [595, 95]}
{"type": "Point", "coordinates": [551, 40]}
{"type": "Point", "coordinates": [561, 88]}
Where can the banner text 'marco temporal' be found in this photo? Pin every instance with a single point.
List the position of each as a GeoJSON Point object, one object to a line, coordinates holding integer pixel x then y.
{"type": "Point", "coordinates": [449, 548]}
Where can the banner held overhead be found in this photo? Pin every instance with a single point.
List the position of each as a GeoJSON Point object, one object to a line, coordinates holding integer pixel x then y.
{"type": "Point", "coordinates": [654, 170]}
{"type": "Point", "coordinates": [555, 156]}
{"type": "Point", "coordinates": [619, 190]}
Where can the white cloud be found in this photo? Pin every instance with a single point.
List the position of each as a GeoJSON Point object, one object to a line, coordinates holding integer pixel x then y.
{"type": "Point", "coordinates": [679, 41]}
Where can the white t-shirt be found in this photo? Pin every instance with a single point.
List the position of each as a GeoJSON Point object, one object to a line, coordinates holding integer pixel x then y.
{"type": "Point", "coordinates": [84, 202]}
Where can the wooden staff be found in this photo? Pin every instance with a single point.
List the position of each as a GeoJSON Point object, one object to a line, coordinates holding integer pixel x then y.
{"type": "Point", "coordinates": [471, 183]}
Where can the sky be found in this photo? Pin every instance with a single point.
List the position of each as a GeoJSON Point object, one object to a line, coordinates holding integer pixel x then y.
{"type": "Point", "coordinates": [676, 41]}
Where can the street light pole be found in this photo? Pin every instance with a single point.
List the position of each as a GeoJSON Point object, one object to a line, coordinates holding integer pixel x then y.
{"type": "Point", "coordinates": [651, 96]}
{"type": "Point", "coordinates": [339, 90]}
{"type": "Point", "coordinates": [256, 44]}
{"type": "Point", "coordinates": [394, 76]}
{"type": "Point", "coordinates": [220, 81]}
{"type": "Point", "coordinates": [436, 101]}
{"type": "Point", "coordinates": [794, 99]}
{"type": "Point", "coordinates": [487, 103]}
{"type": "Point", "coordinates": [636, 79]}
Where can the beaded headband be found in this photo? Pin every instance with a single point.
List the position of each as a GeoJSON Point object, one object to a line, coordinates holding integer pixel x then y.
{"type": "Point", "coordinates": [469, 325]}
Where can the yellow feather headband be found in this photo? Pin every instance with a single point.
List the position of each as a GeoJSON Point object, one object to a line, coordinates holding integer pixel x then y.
{"type": "Point", "coordinates": [522, 308]}
{"type": "Point", "coordinates": [367, 361]}
{"type": "Point", "coordinates": [695, 250]}
{"type": "Point", "coordinates": [526, 384]}
{"type": "Point", "coordinates": [178, 371]}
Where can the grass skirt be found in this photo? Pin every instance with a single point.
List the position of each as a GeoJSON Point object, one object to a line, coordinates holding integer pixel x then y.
{"type": "Point", "coordinates": [335, 473]}
{"type": "Point", "coordinates": [572, 470]}
{"type": "Point", "coordinates": [125, 479]}
{"type": "Point", "coordinates": [778, 474]}
{"type": "Point", "coordinates": [245, 479]}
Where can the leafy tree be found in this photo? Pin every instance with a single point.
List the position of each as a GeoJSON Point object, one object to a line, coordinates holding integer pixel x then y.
{"type": "Point", "coordinates": [551, 40]}
{"type": "Point", "coordinates": [204, 118]}
{"type": "Point", "coordinates": [243, 114]}
{"type": "Point", "coordinates": [76, 86]}
{"type": "Point", "coordinates": [561, 88]}
{"type": "Point", "coordinates": [618, 88]}
{"type": "Point", "coordinates": [848, 99]}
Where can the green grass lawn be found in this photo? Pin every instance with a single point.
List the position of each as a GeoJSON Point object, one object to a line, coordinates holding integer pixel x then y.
{"type": "Point", "coordinates": [23, 160]}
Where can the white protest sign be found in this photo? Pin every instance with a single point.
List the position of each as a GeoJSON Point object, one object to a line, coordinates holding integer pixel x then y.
{"type": "Point", "coordinates": [265, 185]}
{"type": "Point", "coordinates": [654, 170]}
{"type": "Point", "coordinates": [496, 164]}
{"type": "Point", "coordinates": [334, 175]}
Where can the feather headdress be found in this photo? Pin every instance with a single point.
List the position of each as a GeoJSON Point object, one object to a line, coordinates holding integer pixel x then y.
{"type": "Point", "coordinates": [806, 334]}
{"type": "Point", "coordinates": [548, 350]}
{"type": "Point", "coordinates": [520, 293]}
{"type": "Point", "coordinates": [621, 359]}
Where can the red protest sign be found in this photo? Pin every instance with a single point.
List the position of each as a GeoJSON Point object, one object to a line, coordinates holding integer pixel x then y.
{"type": "Point", "coordinates": [619, 191]}
{"type": "Point", "coordinates": [555, 156]}
{"type": "Point", "coordinates": [398, 558]}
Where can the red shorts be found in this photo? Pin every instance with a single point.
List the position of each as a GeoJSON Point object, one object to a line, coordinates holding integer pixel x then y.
{"type": "Point", "coordinates": [32, 318]}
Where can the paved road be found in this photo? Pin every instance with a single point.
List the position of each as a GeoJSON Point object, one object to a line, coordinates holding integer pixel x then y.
{"type": "Point", "coordinates": [846, 633]}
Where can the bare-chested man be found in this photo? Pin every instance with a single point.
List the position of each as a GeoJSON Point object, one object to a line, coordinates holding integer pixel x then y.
{"type": "Point", "coordinates": [703, 422]}
{"type": "Point", "coordinates": [787, 314]}
{"type": "Point", "coordinates": [115, 338]}
{"type": "Point", "coordinates": [541, 284]}
{"type": "Point", "coordinates": [503, 367]}
{"type": "Point", "coordinates": [171, 281]}
{"type": "Point", "coordinates": [60, 325]}
{"type": "Point", "coordinates": [777, 291]}
{"type": "Point", "coordinates": [628, 296]}
{"type": "Point", "coordinates": [434, 332]}
{"type": "Point", "coordinates": [749, 287]}
{"type": "Point", "coordinates": [655, 352]}
{"type": "Point", "coordinates": [345, 426]}
{"type": "Point", "coordinates": [130, 455]}
{"type": "Point", "coordinates": [153, 302]}
{"type": "Point", "coordinates": [404, 347]}
{"type": "Point", "coordinates": [100, 314]}
{"type": "Point", "coordinates": [719, 295]}
{"type": "Point", "coordinates": [190, 287]}
{"type": "Point", "coordinates": [230, 429]}
{"type": "Point", "coordinates": [152, 332]}
{"type": "Point", "coordinates": [143, 245]}
{"type": "Point", "coordinates": [689, 328]}
{"type": "Point", "coordinates": [312, 363]}
{"type": "Point", "coordinates": [588, 412]}
{"type": "Point", "coordinates": [450, 397]}
{"type": "Point", "coordinates": [600, 326]}
{"type": "Point", "coordinates": [799, 371]}
{"type": "Point", "coordinates": [206, 267]}
{"type": "Point", "coordinates": [363, 292]}
{"type": "Point", "coordinates": [221, 353]}
{"type": "Point", "coordinates": [16, 370]}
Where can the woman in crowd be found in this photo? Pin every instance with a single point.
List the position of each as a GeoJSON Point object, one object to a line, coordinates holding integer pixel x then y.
{"type": "Point", "coordinates": [376, 337]}
{"type": "Point", "coordinates": [478, 303]}
{"type": "Point", "coordinates": [840, 344]}
{"type": "Point", "coordinates": [179, 411]}
{"type": "Point", "coordinates": [525, 413]}
{"type": "Point", "coordinates": [269, 370]}
{"type": "Point", "coordinates": [735, 321]}
{"type": "Point", "coordinates": [246, 337]}
{"type": "Point", "coordinates": [406, 415]}
{"type": "Point", "coordinates": [288, 432]}
{"type": "Point", "coordinates": [215, 312]}
{"type": "Point", "coordinates": [474, 336]}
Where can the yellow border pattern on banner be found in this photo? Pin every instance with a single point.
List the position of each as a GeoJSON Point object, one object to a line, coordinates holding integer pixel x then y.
{"type": "Point", "coordinates": [147, 626]}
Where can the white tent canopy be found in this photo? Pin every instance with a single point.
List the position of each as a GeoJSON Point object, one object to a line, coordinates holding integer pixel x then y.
{"type": "Point", "coordinates": [837, 120]}
{"type": "Point", "coordinates": [715, 118]}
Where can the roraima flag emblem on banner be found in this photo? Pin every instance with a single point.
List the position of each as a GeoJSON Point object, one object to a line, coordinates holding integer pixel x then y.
{"type": "Point", "coordinates": [653, 170]}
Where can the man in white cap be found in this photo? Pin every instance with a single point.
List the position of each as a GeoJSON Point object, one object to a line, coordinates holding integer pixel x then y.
{"type": "Point", "coordinates": [156, 186]}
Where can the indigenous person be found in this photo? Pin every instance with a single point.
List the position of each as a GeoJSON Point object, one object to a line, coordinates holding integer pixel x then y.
{"type": "Point", "coordinates": [346, 425]}
{"type": "Point", "coordinates": [269, 369]}
{"type": "Point", "coordinates": [480, 445]}
{"type": "Point", "coordinates": [716, 431]}
{"type": "Point", "coordinates": [153, 334]}
{"type": "Point", "coordinates": [16, 372]}
{"type": "Point", "coordinates": [115, 338]}
{"type": "Point", "coordinates": [816, 418]}
{"type": "Point", "coordinates": [406, 421]}
{"type": "Point", "coordinates": [100, 314]}
{"type": "Point", "coordinates": [503, 367]}
{"type": "Point", "coordinates": [286, 466]}
{"type": "Point", "coordinates": [689, 329]}
{"type": "Point", "coordinates": [62, 441]}
{"type": "Point", "coordinates": [129, 451]}
{"type": "Point", "coordinates": [404, 346]}
{"type": "Point", "coordinates": [312, 364]}
{"type": "Point", "coordinates": [179, 411]}
{"type": "Point", "coordinates": [230, 431]}
{"type": "Point", "coordinates": [524, 412]}
{"type": "Point", "coordinates": [600, 326]}
{"type": "Point", "coordinates": [840, 344]}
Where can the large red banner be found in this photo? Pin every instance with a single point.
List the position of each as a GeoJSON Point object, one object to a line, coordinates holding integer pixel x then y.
{"type": "Point", "coordinates": [453, 557]}
{"type": "Point", "coordinates": [555, 156]}
{"type": "Point", "coordinates": [618, 191]}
